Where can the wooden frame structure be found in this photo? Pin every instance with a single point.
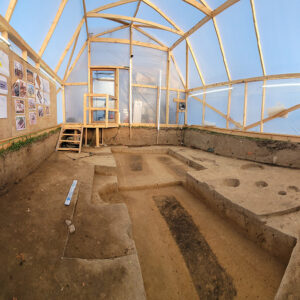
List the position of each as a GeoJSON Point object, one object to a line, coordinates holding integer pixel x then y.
{"type": "Point", "coordinates": [134, 23]}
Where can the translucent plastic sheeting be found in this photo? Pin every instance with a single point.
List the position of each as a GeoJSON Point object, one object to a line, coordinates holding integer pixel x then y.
{"type": "Point", "coordinates": [124, 96]}
{"type": "Point", "coordinates": [93, 4]}
{"type": "Point", "coordinates": [183, 14]}
{"type": "Point", "coordinates": [120, 34]}
{"type": "Point", "coordinates": [109, 54]}
{"type": "Point", "coordinates": [147, 64]}
{"type": "Point", "coordinates": [30, 21]}
{"type": "Point", "coordinates": [122, 10]}
{"type": "Point", "coordinates": [59, 108]}
{"type": "Point", "coordinates": [179, 53]}
{"type": "Point", "coordinates": [97, 25]}
{"type": "Point", "coordinates": [74, 103]}
{"type": "Point", "coordinates": [166, 37]}
{"type": "Point", "coordinates": [217, 97]}
{"type": "Point", "coordinates": [279, 28]}
{"type": "Point", "coordinates": [144, 105]}
{"type": "Point", "coordinates": [213, 4]}
{"type": "Point", "coordinates": [3, 6]}
{"type": "Point", "coordinates": [254, 100]}
{"type": "Point", "coordinates": [173, 107]}
{"type": "Point", "coordinates": [63, 32]}
{"type": "Point", "coordinates": [213, 119]}
{"type": "Point", "coordinates": [175, 81]}
{"type": "Point", "coordinates": [208, 54]}
{"type": "Point", "coordinates": [163, 97]}
{"type": "Point", "coordinates": [237, 104]}
{"type": "Point", "coordinates": [138, 36]}
{"type": "Point", "coordinates": [194, 115]}
{"type": "Point", "coordinates": [194, 77]}
{"type": "Point", "coordinates": [80, 72]}
{"type": "Point", "coordinates": [239, 40]}
{"type": "Point", "coordinates": [80, 42]}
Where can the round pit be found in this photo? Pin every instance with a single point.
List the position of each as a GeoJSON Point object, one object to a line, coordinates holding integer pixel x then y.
{"type": "Point", "coordinates": [232, 182]}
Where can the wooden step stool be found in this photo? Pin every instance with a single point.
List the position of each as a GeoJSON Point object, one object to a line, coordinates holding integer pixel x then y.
{"type": "Point", "coordinates": [70, 138]}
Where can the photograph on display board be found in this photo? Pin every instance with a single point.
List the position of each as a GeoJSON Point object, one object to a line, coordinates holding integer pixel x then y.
{"type": "Point", "coordinates": [20, 122]}
{"type": "Point", "coordinates": [32, 118]}
{"type": "Point", "coordinates": [46, 86]}
{"type": "Point", "coordinates": [38, 97]}
{"type": "Point", "coordinates": [31, 104]}
{"type": "Point", "coordinates": [23, 89]}
{"type": "Point", "coordinates": [47, 110]}
{"type": "Point", "coordinates": [30, 90]}
{"type": "Point", "coordinates": [46, 99]}
{"type": "Point", "coordinates": [4, 64]}
{"type": "Point", "coordinates": [20, 106]}
{"type": "Point", "coordinates": [3, 85]}
{"type": "Point", "coordinates": [3, 107]}
{"type": "Point", "coordinates": [30, 77]}
{"type": "Point", "coordinates": [18, 69]}
{"type": "Point", "coordinates": [41, 111]}
{"type": "Point", "coordinates": [38, 81]}
{"type": "Point", "coordinates": [16, 89]}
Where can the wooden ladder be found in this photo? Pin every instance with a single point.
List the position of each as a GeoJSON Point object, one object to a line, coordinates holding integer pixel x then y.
{"type": "Point", "coordinates": [70, 138]}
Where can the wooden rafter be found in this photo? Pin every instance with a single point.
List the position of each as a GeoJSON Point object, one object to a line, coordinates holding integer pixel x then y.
{"type": "Point", "coordinates": [85, 19]}
{"type": "Point", "coordinates": [149, 36]}
{"type": "Point", "coordinates": [177, 69]}
{"type": "Point", "coordinates": [199, 6]}
{"type": "Point", "coordinates": [111, 5]}
{"type": "Point", "coordinates": [10, 10]}
{"type": "Point", "coordinates": [214, 13]}
{"type": "Point", "coordinates": [258, 37]}
{"type": "Point", "coordinates": [137, 8]}
{"type": "Point", "coordinates": [132, 19]}
{"type": "Point", "coordinates": [53, 26]}
{"type": "Point", "coordinates": [110, 30]}
{"type": "Point", "coordinates": [126, 41]}
{"type": "Point", "coordinates": [69, 45]}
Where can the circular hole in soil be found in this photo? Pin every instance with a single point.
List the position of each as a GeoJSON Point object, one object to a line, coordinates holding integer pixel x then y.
{"type": "Point", "coordinates": [261, 184]}
{"type": "Point", "coordinates": [233, 182]}
{"type": "Point", "coordinates": [251, 166]}
{"type": "Point", "coordinates": [293, 188]}
{"type": "Point", "coordinates": [282, 193]}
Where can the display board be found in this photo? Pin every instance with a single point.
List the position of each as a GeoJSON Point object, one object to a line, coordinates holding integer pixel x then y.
{"type": "Point", "coordinates": [27, 97]}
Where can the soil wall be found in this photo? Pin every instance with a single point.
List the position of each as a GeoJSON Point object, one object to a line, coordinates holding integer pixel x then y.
{"type": "Point", "coordinates": [18, 164]}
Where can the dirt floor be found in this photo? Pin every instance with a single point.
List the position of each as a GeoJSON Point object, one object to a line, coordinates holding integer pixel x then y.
{"type": "Point", "coordinates": [236, 264]}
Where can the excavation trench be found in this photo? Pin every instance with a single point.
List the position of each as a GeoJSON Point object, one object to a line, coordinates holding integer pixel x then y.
{"type": "Point", "coordinates": [186, 250]}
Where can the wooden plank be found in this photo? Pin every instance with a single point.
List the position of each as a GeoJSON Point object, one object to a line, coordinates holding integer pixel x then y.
{"type": "Point", "coordinates": [199, 6]}
{"type": "Point", "coordinates": [250, 79]}
{"type": "Point", "coordinates": [69, 45]}
{"type": "Point", "coordinates": [132, 19]}
{"type": "Point", "coordinates": [245, 105]}
{"type": "Point", "coordinates": [221, 48]}
{"type": "Point", "coordinates": [262, 112]}
{"type": "Point", "coordinates": [111, 5]}
{"type": "Point", "coordinates": [10, 9]}
{"type": "Point", "coordinates": [125, 41]}
{"type": "Point", "coordinates": [109, 67]}
{"type": "Point", "coordinates": [25, 55]}
{"type": "Point", "coordinates": [117, 116]}
{"type": "Point", "coordinates": [278, 115]}
{"type": "Point", "coordinates": [97, 137]}
{"type": "Point", "coordinates": [214, 13]}
{"type": "Point", "coordinates": [52, 27]}
{"type": "Point", "coordinates": [258, 37]}
{"type": "Point", "coordinates": [137, 8]}
{"type": "Point", "coordinates": [74, 83]}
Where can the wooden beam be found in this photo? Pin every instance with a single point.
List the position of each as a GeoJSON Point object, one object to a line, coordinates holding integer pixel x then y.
{"type": "Point", "coordinates": [10, 10]}
{"type": "Point", "coordinates": [258, 37]}
{"type": "Point", "coordinates": [74, 83]}
{"type": "Point", "coordinates": [85, 19]}
{"type": "Point", "coordinates": [214, 13]}
{"type": "Point", "coordinates": [52, 27]}
{"type": "Point", "coordinates": [19, 41]}
{"type": "Point", "coordinates": [278, 115]}
{"type": "Point", "coordinates": [24, 55]}
{"type": "Point", "coordinates": [221, 48]}
{"type": "Point", "coordinates": [124, 41]}
{"type": "Point", "coordinates": [137, 8]}
{"type": "Point", "coordinates": [132, 19]}
{"type": "Point", "coordinates": [199, 6]}
{"type": "Point", "coordinates": [177, 69]}
{"type": "Point", "coordinates": [111, 5]}
{"type": "Point", "coordinates": [69, 45]}
{"type": "Point", "coordinates": [250, 79]}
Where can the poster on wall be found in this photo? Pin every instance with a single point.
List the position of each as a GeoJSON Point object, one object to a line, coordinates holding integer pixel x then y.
{"type": "Point", "coordinates": [20, 122]}
{"type": "Point", "coordinates": [30, 77]}
{"type": "Point", "coordinates": [30, 90]}
{"type": "Point", "coordinates": [23, 89]}
{"type": "Point", "coordinates": [46, 99]}
{"type": "Point", "coordinates": [41, 111]}
{"type": "Point", "coordinates": [4, 64]}
{"type": "Point", "coordinates": [46, 86]}
{"type": "Point", "coordinates": [38, 97]}
{"type": "Point", "coordinates": [16, 89]}
{"type": "Point", "coordinates": [20, 106]}
{"type": "Point", "coordinates": [32, 118]}
{"type": "Point", "coordinates": [47, 110]}
{"type": "Point", "coordinates": [31, 104]}
{"type": "Point", "coordinates": [18, 69]}
{"type": "Point", "coordinates": [38, 82]}
{"type": "Point", "coordinates": [137, 111]}
{"type": "Point", "coordinates": [3, 85]}
{"type": "Point", "coordinates": [3, 107]}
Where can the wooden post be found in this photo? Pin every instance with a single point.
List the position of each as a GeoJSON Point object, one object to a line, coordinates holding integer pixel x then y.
{"type": "Point", "coordinates": [228, 107]}
{"type": "Point", "coordinates": [263, 107]}
{"type": "Point", "coordinates": [130, 83]}
{"type": "Point", "coordinates": [168, 88]}
{"type": "Point", "coordinates": [245, 105]}
{"type": "Point", "coordinates": [85, 140]}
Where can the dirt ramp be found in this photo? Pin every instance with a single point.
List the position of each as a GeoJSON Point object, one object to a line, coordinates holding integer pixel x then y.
{"type": "Point", "coordinates": [210, 279]}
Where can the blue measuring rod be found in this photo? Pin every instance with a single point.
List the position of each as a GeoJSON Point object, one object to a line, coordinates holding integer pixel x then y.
{"type": "Point", "coordinates": [70, 194]}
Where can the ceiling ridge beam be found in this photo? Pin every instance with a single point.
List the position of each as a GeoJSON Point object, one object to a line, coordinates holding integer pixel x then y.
{"type": "Point", "coordinates": [53, 26]}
